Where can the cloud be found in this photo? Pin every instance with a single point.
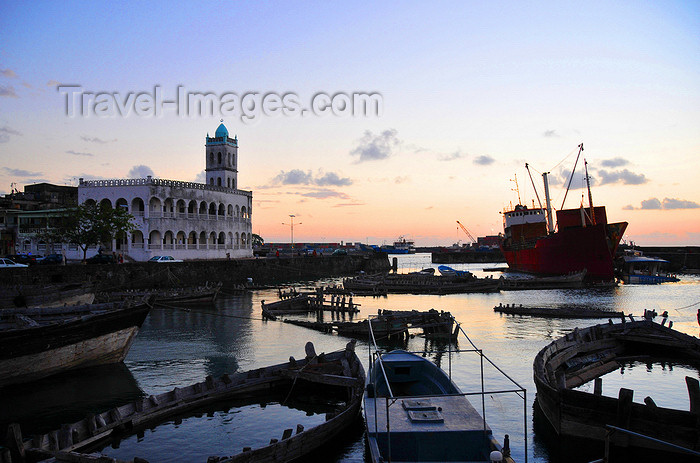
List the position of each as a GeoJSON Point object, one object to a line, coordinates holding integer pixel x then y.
{"type": "Point", "coordinates": [21, 172]}
{"type": "Point", "coordinates": [331, 178]}
{"type": "Point", "coordinates": [375, 147]}
{"type": "Point", "coordinates": [78, 153]}
{"type": "Point", "coordinates": [300, 177]}
{"type": "Point", "coordinates": [8, 73]}
{"type": "Point", "coordinates": [451, 157]}
{"type": "Point", "coordinates": [404, 179]}
{"type": "Point", "coordinates": [5, 133]}
{"type": "Point", "coordinates": [484, 160]}
{"type": "Point", "coordinates": [96, 140]}
{"type": "Point", "coordinates": [293, 177]}
{"type": "Point", "coordinates": [652, 203]}
{"type": "Point", "coordinates": [324, 194]}
{"type": "Point", "coordinates": [614, 162]}
{"type": "Point", "coordinates": [140, 171]}
{"type": "Point", "coordinates": [550, 134]}
{"type": "Point", "coordinates": [53, 83]}
{"type": "Point", "coordinates": [621, 176]}
{"type": "Point", "coordinates": [349, 204]}
{"type": "Point", "coordinates": [201, 177]}
{"type": "Point", "coordinates": [27, 85]}
{"type": "Point", "coordinates": [8, 91]}
{"type": "Point", "coordinates": [667, 204]}
{"type": "Point", "coordinates": [672, 203]}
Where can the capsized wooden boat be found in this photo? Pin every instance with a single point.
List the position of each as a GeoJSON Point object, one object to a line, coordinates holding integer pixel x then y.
{"type": "Point", "coordinates": [571, 280]}
{"type": "Point", "coordinates": [39, 342]}
{"type": "Point", "coordinates": [414, 412]}
{"type": "Point", "coordinates": [341, 369]}
{"type": "Point", "coordinates": [586, 354]}
{"type": "Point", "coordinates": [557, 312]}
{"type": "Point", "coordinates": [203, 294]}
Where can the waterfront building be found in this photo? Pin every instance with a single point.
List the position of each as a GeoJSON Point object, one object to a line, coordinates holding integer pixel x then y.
{"type": "Point", "coordinates": [25, 215]}
{"type": "Point", "coordinates": [186, 220]}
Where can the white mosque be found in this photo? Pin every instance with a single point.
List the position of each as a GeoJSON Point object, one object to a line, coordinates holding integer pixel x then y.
{"type": "Point", "coordinates": [185, 220]}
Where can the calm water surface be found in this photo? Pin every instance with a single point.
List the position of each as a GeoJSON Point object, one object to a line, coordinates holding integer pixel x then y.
{"type": "Point", "coordinates": [177, 347]}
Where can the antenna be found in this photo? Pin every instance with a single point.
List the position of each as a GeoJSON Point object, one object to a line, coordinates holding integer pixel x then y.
{"type": "Point", "coordinates": [517, 188]}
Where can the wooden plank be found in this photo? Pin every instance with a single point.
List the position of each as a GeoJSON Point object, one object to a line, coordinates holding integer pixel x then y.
{"type": "Point", "coordinates": [331, 380]}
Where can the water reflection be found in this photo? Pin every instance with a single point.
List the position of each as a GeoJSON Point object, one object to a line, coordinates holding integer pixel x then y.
{"type": "Point", "coordinates": [43, 405]}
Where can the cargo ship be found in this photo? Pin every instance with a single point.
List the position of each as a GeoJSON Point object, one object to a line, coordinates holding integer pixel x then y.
{"type": "Point", "coordinates": [582, 239]}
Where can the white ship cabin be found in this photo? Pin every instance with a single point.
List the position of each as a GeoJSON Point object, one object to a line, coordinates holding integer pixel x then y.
{"type": "Point", "coordinates": [521, 215]}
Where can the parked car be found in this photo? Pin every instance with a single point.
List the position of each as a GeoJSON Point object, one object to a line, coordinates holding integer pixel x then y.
{"type": "Point", "coordinates": [340, 252]}
{"type": "Point", "coordinates": [51, 259]}
{"type": "Point", "coordinates": [9, 263]}
{"type": "Point", "coordinates": [164, 259]}
{"type": "Point", "coordinates": [101, 259]}
{"type": "Point", "coordinates": [23, 259]}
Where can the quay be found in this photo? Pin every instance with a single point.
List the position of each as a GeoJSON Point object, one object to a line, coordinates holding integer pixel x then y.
{"type": "Point", "coordinates": [233, 273]}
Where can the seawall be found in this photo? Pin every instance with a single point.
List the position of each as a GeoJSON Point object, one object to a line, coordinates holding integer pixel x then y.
{"type": "Point", "coordinates": [263, 271]}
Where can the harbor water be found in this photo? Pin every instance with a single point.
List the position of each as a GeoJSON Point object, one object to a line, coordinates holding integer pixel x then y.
{"type": "Point", "coordinates": [177, 347]}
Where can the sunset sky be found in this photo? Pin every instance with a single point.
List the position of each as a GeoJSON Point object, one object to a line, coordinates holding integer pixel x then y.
{"type": "Point", "coordinates": [470, 92]}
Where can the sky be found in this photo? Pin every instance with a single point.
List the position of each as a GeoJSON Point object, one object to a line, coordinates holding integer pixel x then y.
{"type": "Point", "coordinates": [464, 94]}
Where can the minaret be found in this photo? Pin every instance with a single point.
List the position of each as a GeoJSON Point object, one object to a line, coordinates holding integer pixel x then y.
{"type": "Point", "coordinates": [222, 159]}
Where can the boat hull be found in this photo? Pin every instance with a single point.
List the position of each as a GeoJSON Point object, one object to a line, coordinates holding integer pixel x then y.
{"type": "Point", "coordinates": [591, 248]}
{"type": "Point", "coordinates": [580, 414]}
{"type": "Point", "coordinates": [95, 339]}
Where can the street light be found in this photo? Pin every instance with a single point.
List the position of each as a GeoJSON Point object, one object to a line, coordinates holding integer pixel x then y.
{"type": "Point", "coordinates": [291, 227]}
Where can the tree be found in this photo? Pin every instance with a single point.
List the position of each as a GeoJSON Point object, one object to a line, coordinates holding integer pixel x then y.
{"type": "Point", "coordinates": [93, 224]}
{"type": "Point", "coordinates": [258, 240]}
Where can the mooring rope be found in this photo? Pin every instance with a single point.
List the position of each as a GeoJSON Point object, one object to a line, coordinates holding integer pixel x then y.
{"type": "Point", "coordinates": [688, 306]}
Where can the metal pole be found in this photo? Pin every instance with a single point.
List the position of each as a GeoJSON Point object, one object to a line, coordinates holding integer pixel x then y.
{"type": "Point", "coordinates": [388, 429]}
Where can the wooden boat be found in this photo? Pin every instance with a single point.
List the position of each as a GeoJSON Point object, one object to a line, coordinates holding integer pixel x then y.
{"type": "Point", "coordinates": [585, 355]}
{"type": "Point", "coordinates": [340, 370]}
{"type": "Point", "coordinates": [421, 284]}
{"type": "Point", "coordinates": [45, 296]}
{"type": "Point", "coordinates": [414, 412]}
{"type": "Point", "coordinates": [572, 280]}
{"type": "Point", "coordinates": [39, 342]}
{"type": "Point", "coordinates": [557, 312]}
{"type": "Point", "coordinates": [204, 294]}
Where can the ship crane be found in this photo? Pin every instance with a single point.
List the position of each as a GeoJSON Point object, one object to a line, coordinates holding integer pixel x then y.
{"type": "Point", "coordinates": [466, 231]}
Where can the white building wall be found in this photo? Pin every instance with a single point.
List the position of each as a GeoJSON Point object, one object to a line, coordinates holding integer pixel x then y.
{"type": "Point", "coordinates": [175, 217]}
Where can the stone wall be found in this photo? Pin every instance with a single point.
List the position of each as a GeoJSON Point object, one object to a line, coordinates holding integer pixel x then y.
{"type": "Point", "coordinates": [263, 271]}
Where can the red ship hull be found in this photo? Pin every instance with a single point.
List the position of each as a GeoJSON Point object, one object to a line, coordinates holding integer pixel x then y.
{"type": "Point", "coordinates": [569, 250]}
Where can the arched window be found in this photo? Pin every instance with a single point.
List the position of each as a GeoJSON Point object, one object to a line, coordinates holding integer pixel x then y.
{"type": "Point", "coordinates": [228, 182]}
{"type": "Point", "coordinates": [218, 181]}
{"type": "Point", "coordinates": [218, 155]}
{"type": "Point", "coordinates": [211, 181]}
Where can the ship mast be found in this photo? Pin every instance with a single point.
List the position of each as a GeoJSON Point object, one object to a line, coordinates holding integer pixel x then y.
{"type": "Point", "coordinates": [580, 148]}
{"type": "Point", "coordinates": [588, 185]}
{"type": "Point", "coordinates": [548, 202]}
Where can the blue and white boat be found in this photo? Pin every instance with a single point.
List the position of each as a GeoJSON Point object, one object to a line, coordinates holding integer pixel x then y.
{"type": "Point", "coordinates": [414, 412]}
{"type": "Point", "coordinates": [642, 270]}
{"type": "Point", "coordinates": [450, 272]}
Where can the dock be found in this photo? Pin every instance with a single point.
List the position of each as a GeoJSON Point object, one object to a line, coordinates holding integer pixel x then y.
{"type": "Point", "coordinates": [390, 324]}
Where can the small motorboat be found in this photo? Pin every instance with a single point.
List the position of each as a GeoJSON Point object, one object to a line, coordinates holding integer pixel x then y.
{"type": "Point", "coordinates": [414, 412]}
